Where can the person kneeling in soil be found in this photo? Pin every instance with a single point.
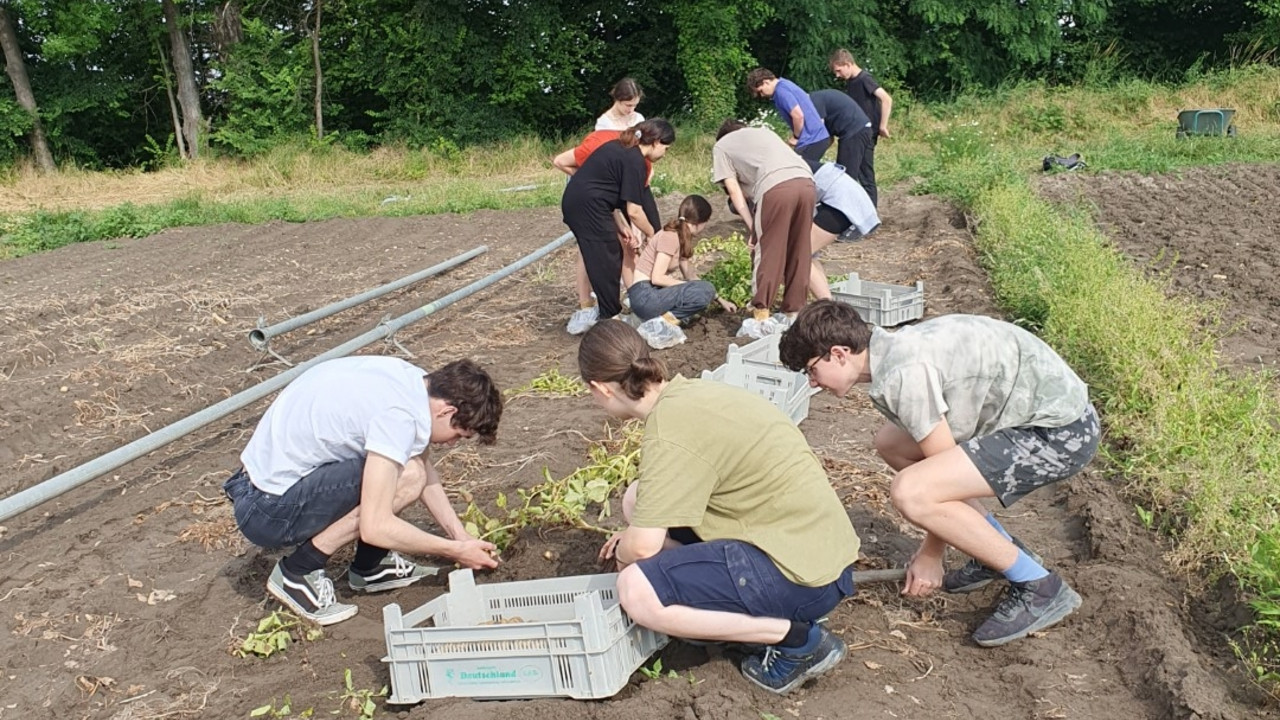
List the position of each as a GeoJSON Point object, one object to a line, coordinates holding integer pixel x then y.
{"type": "Point", "coordinates": [977, 408]}
{"type": "Point", "coordinates": [338, 455]}
{"type": "Point", "coordinates": [735, 533]}
{"type": "Point", "coordinates": [657, 297]}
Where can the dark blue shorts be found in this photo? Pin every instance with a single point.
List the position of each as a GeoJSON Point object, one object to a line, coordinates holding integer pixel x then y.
{"type": "Point", "coordinates": [313, 503]}
{"type": "Point", "coordinates": [737, 577]}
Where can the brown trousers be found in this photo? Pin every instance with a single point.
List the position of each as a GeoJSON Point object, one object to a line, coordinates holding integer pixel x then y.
{"type": "Point", "coordinates": [786, 217]}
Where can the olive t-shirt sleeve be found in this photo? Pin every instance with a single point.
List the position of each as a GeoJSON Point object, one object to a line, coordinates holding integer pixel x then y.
{"type": "Point", "coordinates": [674, 488]}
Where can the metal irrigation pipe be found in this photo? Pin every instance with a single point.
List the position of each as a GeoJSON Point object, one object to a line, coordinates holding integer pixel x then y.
{"type": "Point", "coordinates": [26, 499]}
{"type": "Point", "coordinates": [260, 337]}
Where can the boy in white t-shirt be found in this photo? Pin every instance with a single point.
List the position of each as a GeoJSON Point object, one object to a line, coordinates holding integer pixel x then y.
{"type": "Point", "coordinates": [335, 459]}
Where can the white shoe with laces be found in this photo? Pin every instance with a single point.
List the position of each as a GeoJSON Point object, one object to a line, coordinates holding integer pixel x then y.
{"type": "Point", "coordinates": [582, 320]}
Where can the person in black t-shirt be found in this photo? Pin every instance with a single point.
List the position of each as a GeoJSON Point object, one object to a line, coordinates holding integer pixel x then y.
{"type": "Point", "coordinates": [874, 100]}
{"type": "Point", "coordinates": [847, 122]}
{"type": "Point", "coordinates": [606, 198]}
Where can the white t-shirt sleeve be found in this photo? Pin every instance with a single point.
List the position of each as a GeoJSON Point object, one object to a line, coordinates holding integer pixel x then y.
{"type": "Point", "coordinates": [392, 435]}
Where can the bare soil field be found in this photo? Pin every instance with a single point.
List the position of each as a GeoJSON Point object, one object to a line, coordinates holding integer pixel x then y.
{"type": "Point", "coordinates": [122, 599]}
{"type": "Point", "coordinates": [1211, 232]}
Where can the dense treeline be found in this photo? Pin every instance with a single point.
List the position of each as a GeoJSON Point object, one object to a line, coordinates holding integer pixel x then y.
{"type": "Point", "coordinates": [110, 83]}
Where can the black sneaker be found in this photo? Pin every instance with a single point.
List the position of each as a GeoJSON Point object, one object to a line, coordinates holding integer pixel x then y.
{"type": "Point", "coordinates": [780, 670]}
{"type": "Point", "coordinates": [1026, 608]}
{"type": "Point", "coordinates": [974, 575]}
{"type": "Point", "coordinates": [311, 596]}
{"type": "Point", "coordinates": [392, 572]}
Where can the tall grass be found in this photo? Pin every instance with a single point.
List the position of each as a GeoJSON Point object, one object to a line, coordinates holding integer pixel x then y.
{"type": "Point", "coordinates": [299, 184]}
{"type": "Point", "coordinates": [1199, 443]}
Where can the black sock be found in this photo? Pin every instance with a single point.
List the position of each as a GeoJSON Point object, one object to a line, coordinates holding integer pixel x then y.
{"type": "Point", "coordinates": [797, 636]}
{"type": "Point", "coordinates": [367, 557]}
{"type": "Point", "coordinates": [306, 559]}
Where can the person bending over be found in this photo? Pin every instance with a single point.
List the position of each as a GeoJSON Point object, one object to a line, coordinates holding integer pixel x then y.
{"type": "Point", "coordinates": [734, 532]}
{"type": "Point", "coordinates": [336, 458]}
{"type": "Point", "coordinates": [977, 408]}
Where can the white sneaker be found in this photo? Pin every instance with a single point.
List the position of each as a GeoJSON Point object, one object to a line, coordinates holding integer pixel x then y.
{"type": "Point", "coordinates": [582, 320]}
{"type": "Point", "coordinates": [661, 334]}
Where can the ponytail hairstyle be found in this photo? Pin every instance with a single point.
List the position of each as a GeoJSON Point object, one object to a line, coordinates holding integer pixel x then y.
{"type": "Point", "coordinates": [626, 89]}
{"type": "Point", "coordinates": [649, 132]}
{"type": "Point", "coordinates": [694, 210]}
{"type": "Point", "coordinates": [615, 352]}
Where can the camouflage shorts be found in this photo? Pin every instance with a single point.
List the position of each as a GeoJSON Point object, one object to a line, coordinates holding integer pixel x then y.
{"type": "Point", "coordinates": [1019, 460]}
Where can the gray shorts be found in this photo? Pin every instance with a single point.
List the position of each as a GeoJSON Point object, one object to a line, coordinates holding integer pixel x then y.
{"type": "Point", "coordinates": [1016, 461]}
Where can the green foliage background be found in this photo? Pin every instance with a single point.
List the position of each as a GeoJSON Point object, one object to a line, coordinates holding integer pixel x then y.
{"type": "Point", "coordinates": [443, 74]}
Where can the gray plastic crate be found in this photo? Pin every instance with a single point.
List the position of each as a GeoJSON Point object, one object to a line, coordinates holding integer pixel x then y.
{"type": "Point", "coordinates": [881, 303]}
{"type": "Point", "coordinates": [788, 391]}
{"type": "Point", "coordinates": [564, 637]}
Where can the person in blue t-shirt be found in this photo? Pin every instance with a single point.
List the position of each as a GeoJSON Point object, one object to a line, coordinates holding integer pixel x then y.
{"type": "Point", "coordinates": [809, 134]}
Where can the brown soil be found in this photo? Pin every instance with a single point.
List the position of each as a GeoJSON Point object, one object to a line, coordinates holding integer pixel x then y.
{"type": "Point", "coordinates": [1211, 232]}
{"type": "Point", "coordinates": [122, 598]}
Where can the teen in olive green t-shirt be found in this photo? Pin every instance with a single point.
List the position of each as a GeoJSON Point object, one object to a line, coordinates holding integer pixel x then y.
{"type": "Point", "coordinates": [734, 532]}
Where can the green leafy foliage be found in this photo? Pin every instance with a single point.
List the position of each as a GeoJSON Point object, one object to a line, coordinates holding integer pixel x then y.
{"type": "Point", "coordinates": [359, 701]}
{"type": "Point", "coordinates": [731, 275]}
{"type": "Point", "coordinates": [562, 502]}
{"type": "Point", "coordinates": [550, 384]}
{"type": "Point", "coordinates": [274, 634]}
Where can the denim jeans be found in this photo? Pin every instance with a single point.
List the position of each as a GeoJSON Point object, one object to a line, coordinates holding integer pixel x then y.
{"type": "Point", "coordinates": [685, 300]}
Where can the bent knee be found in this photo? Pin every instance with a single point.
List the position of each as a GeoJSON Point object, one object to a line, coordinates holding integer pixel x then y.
{"type": "Point", "coordinates": [636, 595]}
{"type": "Point", "coordinates": [909, 494]}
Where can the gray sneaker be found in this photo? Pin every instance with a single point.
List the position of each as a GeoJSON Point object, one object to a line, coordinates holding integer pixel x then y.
{"type": "Point", "coordinates": [582, 320]}
{"type": "Point", "coordinates": [974, 575]}
{"type": "Point", "coordinates": [310, 596]}
{"type": "Point", "coordinates": [1026, 608]}
{"type": "Point", "coordinates": [392, 572]}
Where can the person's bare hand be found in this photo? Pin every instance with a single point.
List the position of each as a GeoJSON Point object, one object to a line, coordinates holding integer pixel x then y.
{"type": "Point", "coordinates": [728, 306]}
{"type": "Point", "coordinates": [792, 140]}
{"type": "Point", "coordinates": [924, 575]}
{"type": "Point", "coordinates": [609, 550]}
{"type": "Point", "coordinates": [884, 132]}
{"type": "Point", "coordinates": [476, 554]}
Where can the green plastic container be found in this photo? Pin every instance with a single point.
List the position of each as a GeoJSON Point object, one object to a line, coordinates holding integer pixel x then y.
{"type": "Point", "coordinates": [1208, 121]}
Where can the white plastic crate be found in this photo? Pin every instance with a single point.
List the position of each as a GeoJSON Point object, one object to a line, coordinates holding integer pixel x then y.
{"type": "Point", "coordinates": [788, 391]}
{"type": "Point", "coordinates": [763, 351]}
{"type": "Point", "coordinates": [564, 637]}
{"type": "Point", "coordinates": [881, 303]}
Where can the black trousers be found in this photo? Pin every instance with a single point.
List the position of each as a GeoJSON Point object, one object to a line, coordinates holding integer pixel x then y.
{"type": "Point", "coordinates": [857, 153]}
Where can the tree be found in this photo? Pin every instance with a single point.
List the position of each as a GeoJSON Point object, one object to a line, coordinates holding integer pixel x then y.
{"type": "Point", "coordinates": [16, 68]}
{"type": "Point", "coordinates": [315, 59]}
{"type": "Point", "coordinates": [184, 71]}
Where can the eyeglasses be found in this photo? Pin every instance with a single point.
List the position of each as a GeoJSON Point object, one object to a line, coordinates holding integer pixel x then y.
{"type": "Point", "coordinates": [808, 369]}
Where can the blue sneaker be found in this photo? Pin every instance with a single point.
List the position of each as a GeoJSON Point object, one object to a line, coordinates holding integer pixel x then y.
{"type": "Point", "coordinates": [781, 670]}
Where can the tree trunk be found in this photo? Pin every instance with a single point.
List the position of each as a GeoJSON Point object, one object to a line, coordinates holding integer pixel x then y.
{"type": "Point", "coordinates": [315, 58]}
{"type": "Point", "coordinates": [16, 67]}
{"type": "Point", "coordinates": [188, 94]}
{"type": "Point", "coordinates": [173, 104]}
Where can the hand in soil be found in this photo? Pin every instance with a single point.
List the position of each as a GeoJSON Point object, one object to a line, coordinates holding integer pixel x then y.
{"type": "Point", "coordinates": [476, 554]}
